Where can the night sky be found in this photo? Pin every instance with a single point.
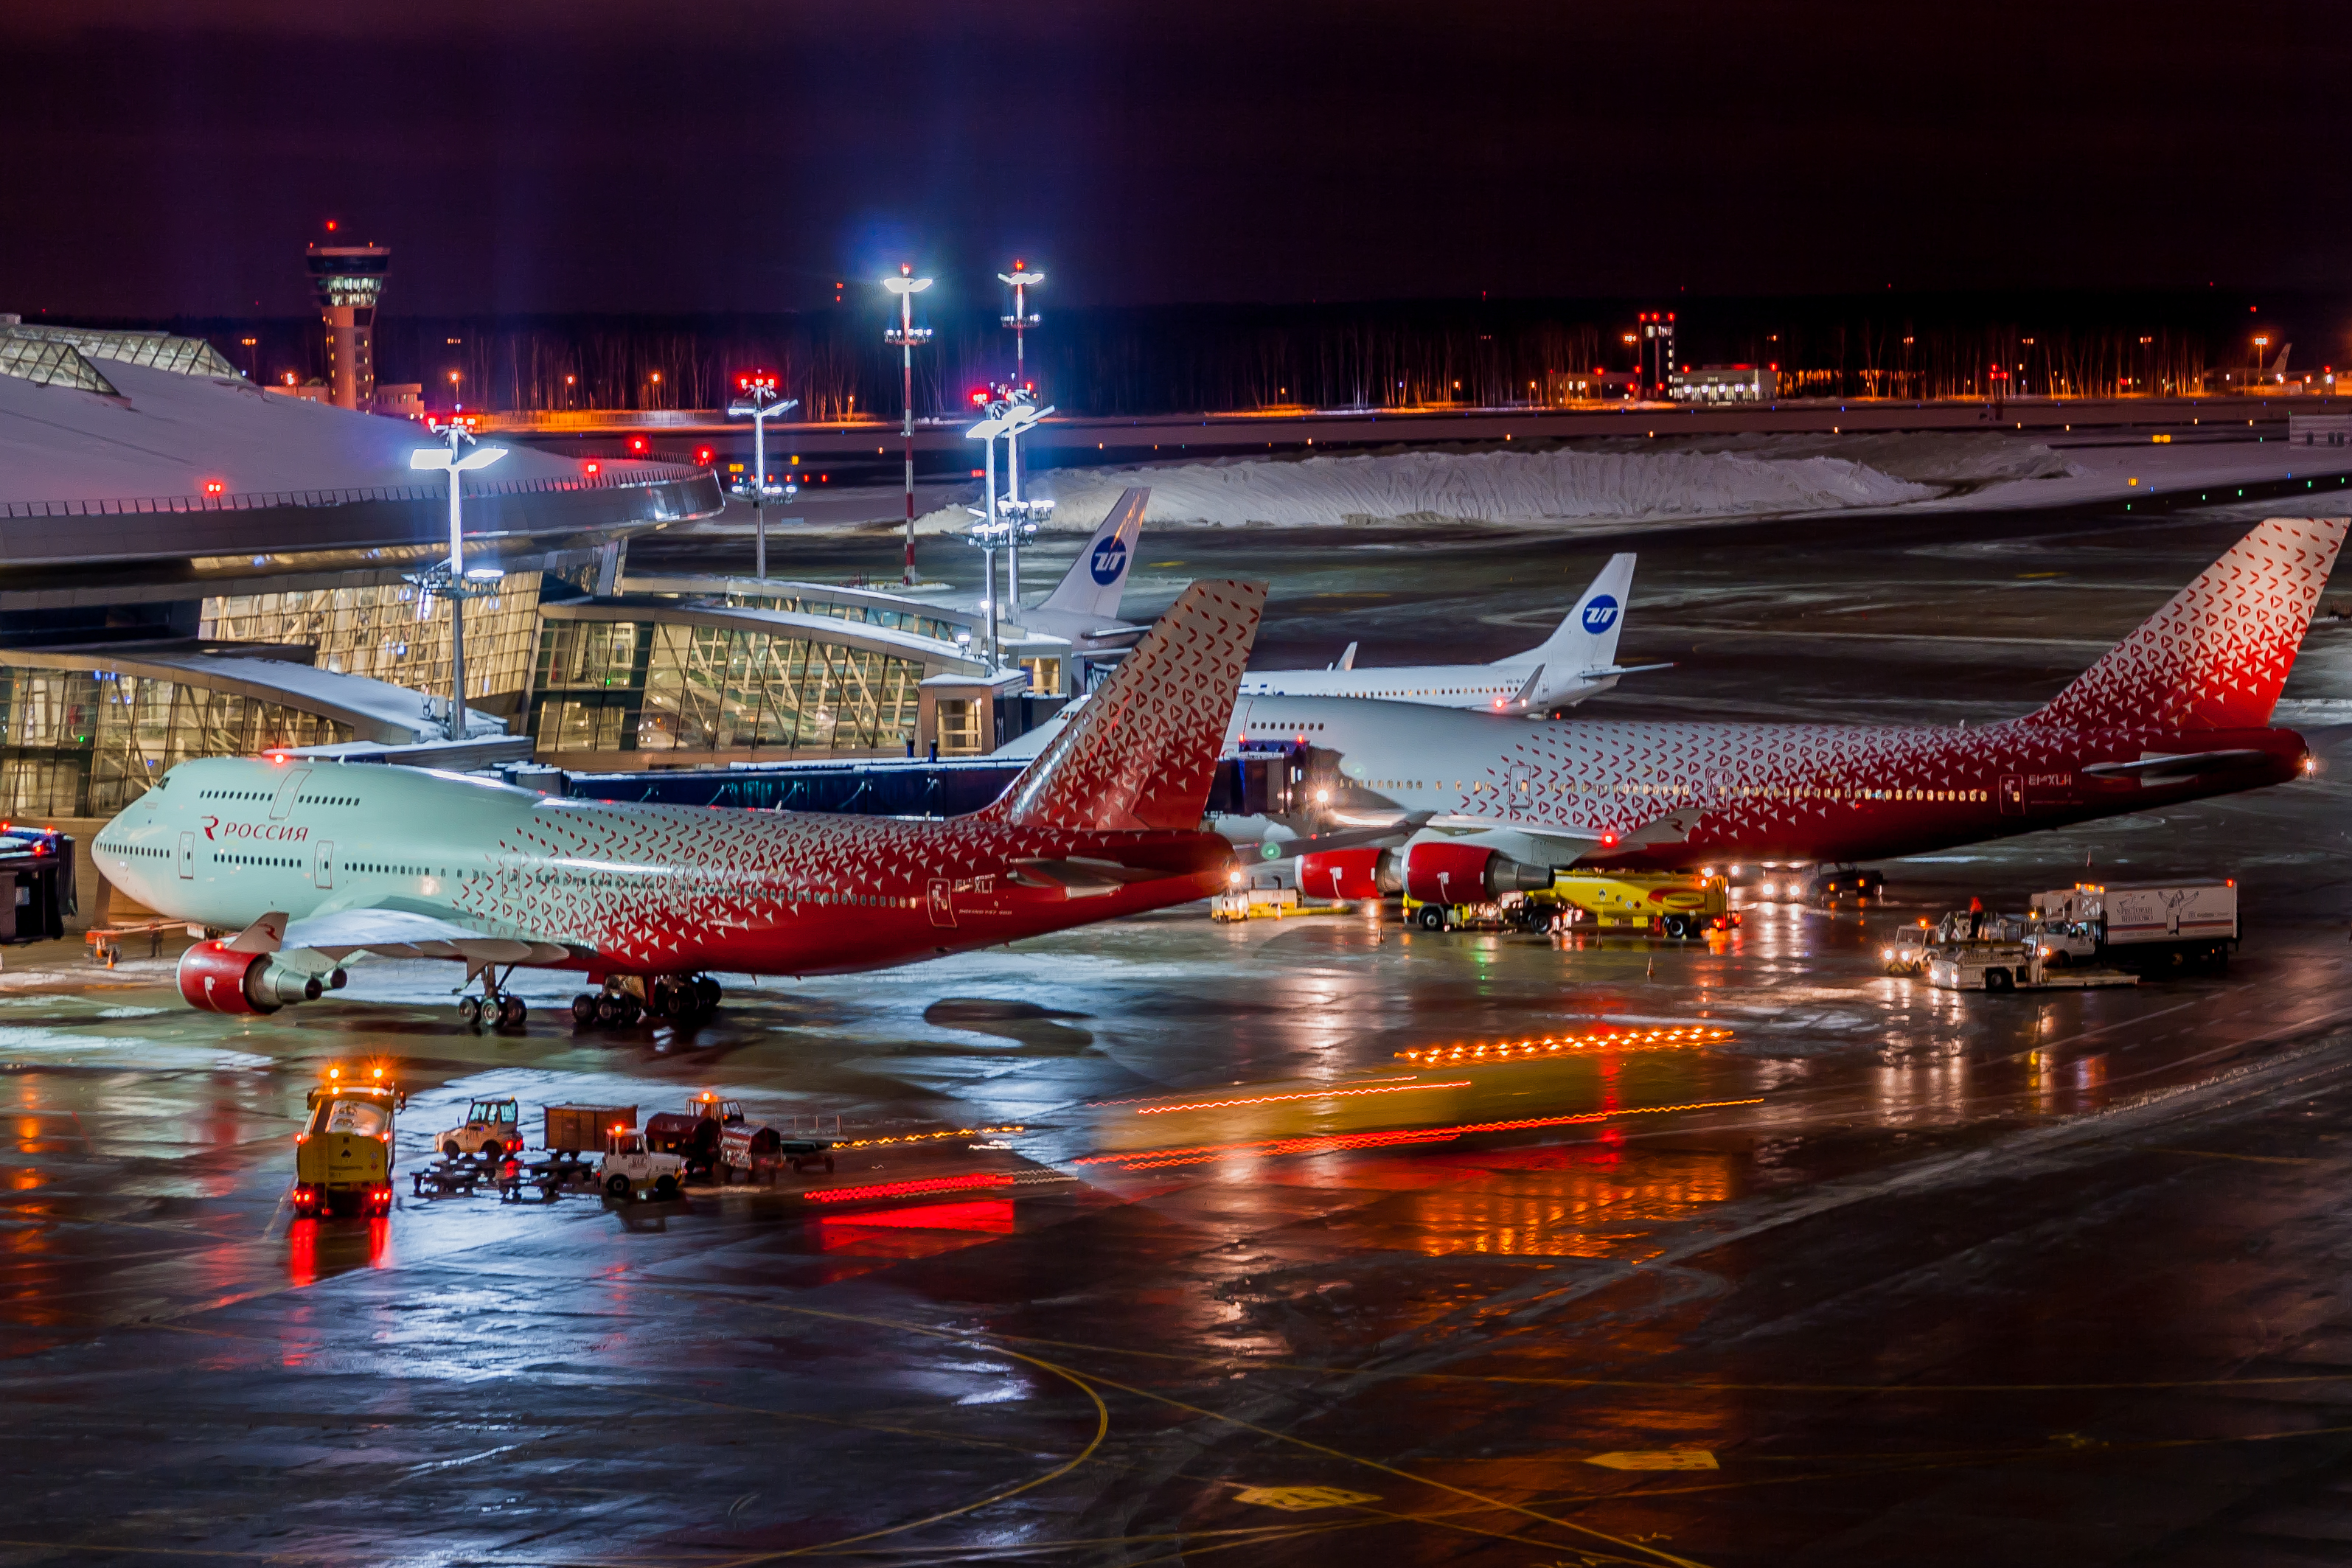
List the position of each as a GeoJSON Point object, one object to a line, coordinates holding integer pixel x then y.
{"type": "Point", "coordinates": [524, 155]}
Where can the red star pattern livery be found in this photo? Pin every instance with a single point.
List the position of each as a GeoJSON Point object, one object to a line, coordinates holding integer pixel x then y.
{"type": "Point", "coordinates": [2178, 711]}
{"type": "Point", "coordinates": [399, 862]}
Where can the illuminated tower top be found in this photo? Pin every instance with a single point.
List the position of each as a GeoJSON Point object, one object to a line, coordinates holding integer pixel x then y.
{"type": "Point", "coordinates": [347, 279]}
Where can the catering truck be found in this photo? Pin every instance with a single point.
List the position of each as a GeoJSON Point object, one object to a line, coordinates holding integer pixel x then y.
{"type": "Point", "coordinates": [2148, 927]}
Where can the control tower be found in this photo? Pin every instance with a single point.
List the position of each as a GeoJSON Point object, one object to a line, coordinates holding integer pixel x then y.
{"type": "Point", "coordinates": [348, 278]}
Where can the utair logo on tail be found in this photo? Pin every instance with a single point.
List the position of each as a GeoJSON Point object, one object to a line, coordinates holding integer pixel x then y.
{"type": "Point", "coordinates": [1111, 560]}
{"type": "Point", "coordinates": [1600, 614]}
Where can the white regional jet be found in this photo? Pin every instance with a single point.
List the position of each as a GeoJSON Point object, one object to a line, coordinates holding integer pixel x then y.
{"type": "Point", "coordinates": [1577, 660]}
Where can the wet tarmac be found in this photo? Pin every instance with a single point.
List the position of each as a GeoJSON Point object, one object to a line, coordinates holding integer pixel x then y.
{"type": "Point", "coordinates": [1175, 1254]}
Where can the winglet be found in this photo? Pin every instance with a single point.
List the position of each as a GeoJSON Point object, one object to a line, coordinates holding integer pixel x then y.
{"type": "Point", "coordinates": [1347, 659]}
{"type": "Point", "coordinates": [266, 934]}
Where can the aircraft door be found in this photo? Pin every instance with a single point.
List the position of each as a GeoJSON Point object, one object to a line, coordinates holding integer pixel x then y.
{"type": "Point", "coordinates": [323, 872]}
{"type": "Point", "coordinates": [941, 900]}
{"type": "Point", "coordinates": [281, 805]}
{"type": "Point", "coordinates": [2012, 795]}
{"type": "Point", "coordinates": [188, 856]}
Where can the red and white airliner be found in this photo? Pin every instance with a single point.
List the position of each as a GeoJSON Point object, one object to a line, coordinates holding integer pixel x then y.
{"type": "Point", "coordinates": [2179, 710]}
{"type": "Point", "coordinates": [314, 863]}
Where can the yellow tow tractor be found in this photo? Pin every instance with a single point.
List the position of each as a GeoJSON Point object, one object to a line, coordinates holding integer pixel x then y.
{"type": "Point", "coordinates": [343, 1155]}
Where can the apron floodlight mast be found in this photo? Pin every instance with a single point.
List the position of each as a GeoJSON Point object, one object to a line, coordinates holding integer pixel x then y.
{"type": "Point", "coordinates": [759, 403]}
{"type": "Point", "coordinates": [906, 336]}
{"type": "Point", "coordinates": [449, 579]}
{"type": "Point", "coordinates": [1023, 280]}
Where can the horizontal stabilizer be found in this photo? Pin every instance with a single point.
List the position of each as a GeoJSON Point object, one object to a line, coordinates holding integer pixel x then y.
{"type": "Point", "coordinates": [2160, 769]}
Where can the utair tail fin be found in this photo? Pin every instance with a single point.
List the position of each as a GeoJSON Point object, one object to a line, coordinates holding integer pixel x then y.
{"type": "Point", "coordinates": [1347, 659]}
{"type": "Point", "coordinates": [1142, 751]}
{"type": "Point", "coordinates": [1586, 642]}
{"type": "Point", "coordinates": [2217, 656]}
{"type": "Point", "coordinates": [1097, 577]}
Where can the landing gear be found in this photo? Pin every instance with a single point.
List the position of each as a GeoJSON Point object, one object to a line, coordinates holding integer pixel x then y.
{"type": "Point", "coordinates": [497, 1007]}
{"type": "Point", "coordinates": [678, 999]}
{"type": "Point", "coordinates": [1431, 917]}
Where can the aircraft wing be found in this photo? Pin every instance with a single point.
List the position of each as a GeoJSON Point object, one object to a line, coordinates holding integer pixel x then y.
{"type": "Point", "coordinates": [400, 933]}
{"type": "Point", "coordinates": [1385, 833]}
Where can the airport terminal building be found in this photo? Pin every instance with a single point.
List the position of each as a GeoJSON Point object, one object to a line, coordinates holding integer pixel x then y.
{"type": "Point", "coordinates": [197, 568]}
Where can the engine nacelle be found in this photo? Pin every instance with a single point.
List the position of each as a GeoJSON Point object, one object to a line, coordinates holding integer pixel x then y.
{"type": "Point", "coordinates": [1348, 873]}
{"type": "Point", "coordinates": [219, 981]}
{"type": "Point", "coordinates": [1464, 873]}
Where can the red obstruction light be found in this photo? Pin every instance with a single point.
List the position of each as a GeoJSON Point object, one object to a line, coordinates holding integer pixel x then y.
{"type": "Point", "coordinates": [593, 468]}
{"type": "Point", "coordinates": [979, 397]}
{"type": "Point", "coordinates": [636, 445]}
{"type": "Point", "coordinates": [216, 488]}
{"type": "Point", "coordinates": [702, 455]}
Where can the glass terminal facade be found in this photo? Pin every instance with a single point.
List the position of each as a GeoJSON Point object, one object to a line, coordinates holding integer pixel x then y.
{"type": "Point", "coordinates": [379, 630]}
{"type": "Point", "coordinates": [687, 691]}
{"type": "Point", "coordinates": [83, 743]}
{"type": "Point", "coordinates": [851, 609]}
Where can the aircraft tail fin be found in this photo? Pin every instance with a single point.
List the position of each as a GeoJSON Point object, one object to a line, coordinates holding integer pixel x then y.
{"type": "Point", "coordinates": [2216, 656]}
{"type": "Point", "coordinates": [1587, 640]}
{"type": "Point", "coordinates": [1143, 751]}
{"type": "Point", "coordinates": [1099, 577]}
{"type": "Point", "coordinates": [1347, 659]}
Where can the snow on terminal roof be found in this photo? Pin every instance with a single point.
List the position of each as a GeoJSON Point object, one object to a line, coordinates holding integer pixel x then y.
{"type": "Point", "coordinates": [168, 435]}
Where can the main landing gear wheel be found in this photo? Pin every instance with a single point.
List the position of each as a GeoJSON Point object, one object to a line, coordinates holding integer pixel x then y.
{"type": "Point", "coordinates": [469, 1012]}
{"type": "Point", "coordinates": [583, 1009]}
{"type": "Point", "coordinates": [708, 990]}
{"type": "Point", "coordinates": [512, 1012]}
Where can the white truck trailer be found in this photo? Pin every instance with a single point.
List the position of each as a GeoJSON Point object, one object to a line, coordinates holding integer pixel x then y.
{"type": "Point", "coordinates": [2150, 928]}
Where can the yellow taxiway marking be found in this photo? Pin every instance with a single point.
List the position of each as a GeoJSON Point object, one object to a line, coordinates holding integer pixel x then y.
{"type": "Point", "coordinates": [1655, 1460]}
{"type": "Point", "coordinates": [1302, 1499]}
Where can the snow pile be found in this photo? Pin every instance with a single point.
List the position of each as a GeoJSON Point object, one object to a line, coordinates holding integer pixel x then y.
{"type": "Point", "coordinates": [1493, 486]}
{"type": "Point", "coordinates": [1611, 482]}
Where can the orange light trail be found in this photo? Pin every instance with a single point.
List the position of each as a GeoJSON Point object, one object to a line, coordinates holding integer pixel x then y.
{"type": "Point", "coordinates": [1626, 1040]}
{"type": "Point", "coordinates": [902, 1188]}
{"type": "Point", "coordinates": [1312, 1095]}
{"type": "Point", "coordinates": [1146, 1158]}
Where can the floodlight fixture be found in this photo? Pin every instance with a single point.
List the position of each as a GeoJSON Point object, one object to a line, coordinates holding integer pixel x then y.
{"type": "Point", "coordinates": [759, 403]}
{"type": "Point", "coordinates": [905, 337]}
{"type": "Point", "coordinates": [1021, 320]}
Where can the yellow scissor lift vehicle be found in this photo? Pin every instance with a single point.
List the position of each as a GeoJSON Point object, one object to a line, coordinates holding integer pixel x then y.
{"type": "Point", "coordinates": [1677, 904]}
{"type": "Point", "coordinates": [343, 1155]}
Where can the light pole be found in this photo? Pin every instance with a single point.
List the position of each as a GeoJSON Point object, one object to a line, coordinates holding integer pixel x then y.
{"type": "Point", "coordinates": [450, 578]}
{"type": "Point", "coordinates": [1021, 320]}
{"type": "Point", "coordinates": [987, 533]}
{"type": "Point", "coordinates": [905, 335]}
{"type": "Point", "coordinates": [759, 403]}
{"type": "Point", "coordinates": [1020, 413]}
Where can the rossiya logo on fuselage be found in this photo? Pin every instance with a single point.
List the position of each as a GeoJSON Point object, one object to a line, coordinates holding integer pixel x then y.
{"type": "Point", "coordinates": [272, 832]}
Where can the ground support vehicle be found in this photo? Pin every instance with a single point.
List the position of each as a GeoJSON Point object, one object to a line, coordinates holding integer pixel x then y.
{"type": "Point", "coordinates": [491, 1128]}
{"type": "Point", "coordinates": [448, 1178]}
{"type": "Point", "coordinates": [2012, 966]}
{"type": "Point", "coordinates": [630, 1168]}
{"type": "Point", "coordinates": [1268, 904]}
{"type": "Point", "coordinates": [1864, 887]}
{"type": "Point", "coordinates": [760, 1149]}
{"type": "Point", "coordinates": [1675, 905]}
{"type": "Point", "coordinates": [2153, 927]}
{"type": "Point", "coordinates": [342, 1156]}
{"type": "Point", "coordinates": [1907, 952]}
{"type": "Point", "coordinates": [572, 1130]}
{"type": "Point", "coordinates": [694, 1134]}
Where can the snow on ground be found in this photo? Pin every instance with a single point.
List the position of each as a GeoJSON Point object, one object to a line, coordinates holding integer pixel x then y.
{"type": "Point", "coordinates": [1611, 482]}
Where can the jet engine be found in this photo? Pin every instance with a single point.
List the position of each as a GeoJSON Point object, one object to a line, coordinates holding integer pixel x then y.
{"type": "Point", "coordinates": [1348, 873]}
{"type": "Point", "coordinates": [1464, 873]}
{"type": "Point", "coordinates": [219, 981]}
